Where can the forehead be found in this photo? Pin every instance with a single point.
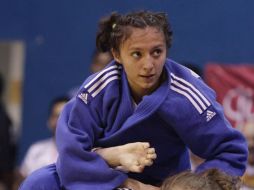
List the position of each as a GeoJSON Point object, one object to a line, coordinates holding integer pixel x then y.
{"type": "Point", "coordinates": [144, 38]}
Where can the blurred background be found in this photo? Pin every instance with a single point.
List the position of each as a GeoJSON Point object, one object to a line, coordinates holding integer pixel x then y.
{"type": "Point", "coordinates": [46, 49]}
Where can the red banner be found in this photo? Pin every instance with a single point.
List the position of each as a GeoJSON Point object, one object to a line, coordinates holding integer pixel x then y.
{"type": "Point", "coordinates": [234, 85]}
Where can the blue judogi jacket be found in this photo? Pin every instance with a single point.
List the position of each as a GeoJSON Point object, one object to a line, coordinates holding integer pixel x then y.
{"type": "Point", "coordinates": [182, 113]}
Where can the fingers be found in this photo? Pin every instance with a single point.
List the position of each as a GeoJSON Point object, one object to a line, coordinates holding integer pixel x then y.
{"type": "Point", "coordinates": [151, 151]}
{"type": "Point", "coordinates": [151, 156]}
{"type": "Point", "coordinates": [136, 156]}
{"type": "Point", "coordinates": [146, 145]}
{"type": "Point", "coordinates": [148, 162]}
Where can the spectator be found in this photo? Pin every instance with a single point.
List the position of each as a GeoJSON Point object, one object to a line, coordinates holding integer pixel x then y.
{"type": "Point", "coordinates": [44, 152]}
{"type": "Point", "coordinates": [7, 147]}
{"type": "Point", "coordinates": [100, 60]}
{"type": "Point", "coordinates": [248, 178]}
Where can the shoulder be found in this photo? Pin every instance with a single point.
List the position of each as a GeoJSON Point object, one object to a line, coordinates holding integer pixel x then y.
{"type": "Point", "coordinates": [177, 69]}
{"type": "Point", "coordinates": [187, 90]}
{"type": "Point", "coordinates": [97, 84]}
{"type": "Point", "coordinates": [190, 102]}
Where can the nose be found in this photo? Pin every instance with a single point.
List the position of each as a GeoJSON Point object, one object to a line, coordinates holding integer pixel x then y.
{"type": "Point", "coordinates": [148, 63]}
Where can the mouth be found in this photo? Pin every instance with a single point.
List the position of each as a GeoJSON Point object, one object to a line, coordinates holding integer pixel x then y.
{"type": "Point", "coordinates": [147, 76]}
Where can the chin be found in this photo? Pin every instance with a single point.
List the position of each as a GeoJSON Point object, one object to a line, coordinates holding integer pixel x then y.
{"type": "Point", "coordinates": [149, 88]}
{"type": "Point", "coordinates": [147, 85]}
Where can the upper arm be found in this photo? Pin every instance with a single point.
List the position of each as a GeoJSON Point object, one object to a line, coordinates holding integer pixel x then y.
{"type": "Point", "coordinates": [78, 167]}
{"type": "Point", "coordinates": [199, 121]}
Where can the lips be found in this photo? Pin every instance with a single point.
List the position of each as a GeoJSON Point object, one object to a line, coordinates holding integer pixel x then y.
{"type": "Point", "coordinates": [147, 76]}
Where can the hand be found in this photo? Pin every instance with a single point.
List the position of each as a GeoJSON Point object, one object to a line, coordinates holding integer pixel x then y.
{"type": "Point", "coordinates": [131, 157]}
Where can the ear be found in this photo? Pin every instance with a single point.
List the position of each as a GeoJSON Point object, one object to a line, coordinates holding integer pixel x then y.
{"type": "Point", "coordinates": [116, 56]}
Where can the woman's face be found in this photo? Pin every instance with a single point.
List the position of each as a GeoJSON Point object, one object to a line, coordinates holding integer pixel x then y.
{"type": "Point", "coordinates": [143, 56]}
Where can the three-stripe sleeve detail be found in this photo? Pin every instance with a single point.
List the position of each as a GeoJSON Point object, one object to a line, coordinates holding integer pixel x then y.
{"type": "Point", "coordinates": [100, 81]}
{"type": "Point", "coordinates": [104, 84]}
{"type": "Point", "coordinates": [185, 88]}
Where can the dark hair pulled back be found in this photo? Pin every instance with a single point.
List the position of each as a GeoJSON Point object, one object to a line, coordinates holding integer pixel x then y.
{"type": "Point", "coordinates": [210, 179]}
{"type": "Point", "coordinates": [115, 29]}
{"type": "Point", "coordinates": [220, 180]}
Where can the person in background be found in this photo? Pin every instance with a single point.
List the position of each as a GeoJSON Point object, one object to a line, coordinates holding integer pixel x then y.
{"type": "Point", "coordinates": [100, 60]}
{"type": "Point", "coordinates": [7, 147]}
{"type": "Point", "coordinates": [141, 96]}
{"type": "Point", "coordinates": [248, 178]}
{"type": "Point", "coordinates": [44, 152]}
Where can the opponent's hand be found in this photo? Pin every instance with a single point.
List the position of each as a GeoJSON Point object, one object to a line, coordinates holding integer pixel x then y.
{"type": "Point", "coordinates": [131, 157]}
{"type": "Point", "coordinates": [134, 157]}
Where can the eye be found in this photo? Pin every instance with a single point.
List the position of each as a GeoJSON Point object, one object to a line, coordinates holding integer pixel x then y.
{"type": "Point", "coordinates": [136, 54]}
{"type": "Point", "coordinates": [157, 52]}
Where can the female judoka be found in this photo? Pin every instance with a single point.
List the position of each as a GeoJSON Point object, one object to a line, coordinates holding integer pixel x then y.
{"type": "Point", "coordinates": [141, 96]}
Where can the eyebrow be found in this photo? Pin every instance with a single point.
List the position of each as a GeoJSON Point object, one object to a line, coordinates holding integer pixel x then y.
{"type": "Point", "coordinates": [138, 48]}
{"type": "Point", "coordinates": [158, 46]}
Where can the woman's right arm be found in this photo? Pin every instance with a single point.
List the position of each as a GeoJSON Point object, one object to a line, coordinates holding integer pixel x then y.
{"type": "Point", "coordinates": [79, 168]}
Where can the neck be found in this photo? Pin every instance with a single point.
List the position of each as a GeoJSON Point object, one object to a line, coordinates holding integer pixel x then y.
{"type": "Point", "coordinates": [137, 97]}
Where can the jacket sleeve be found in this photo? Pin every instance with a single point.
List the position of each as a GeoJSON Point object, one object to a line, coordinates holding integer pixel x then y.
{"type": "Point", "coordinates": [205, 130]}
{"type": "Point", "coordinates": [79, 168]}
{"type": "Point", "coordinates": [219, 143]}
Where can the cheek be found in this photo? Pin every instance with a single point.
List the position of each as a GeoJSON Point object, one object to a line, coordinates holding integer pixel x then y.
{"type": "Point", "coordinates": [132, 67]}
{"type": "Point", "coordinates": [131, 72]}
